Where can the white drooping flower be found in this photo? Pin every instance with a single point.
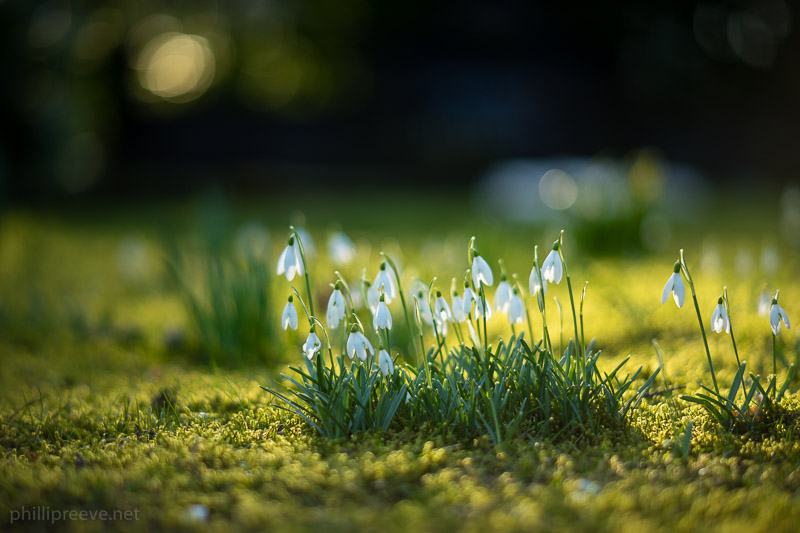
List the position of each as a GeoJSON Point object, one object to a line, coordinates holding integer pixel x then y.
{"type": "Point", "coordinates": [358, 345]}
{"type": "Point", "coordinates": [482, 307]}
{"type": "Point", "coordinates": [441, 326]}
{"type": "Point", "coordinates": [336, 308]}
{"type": "Point", "coordinates": [290, 262]}
{"type": "Point", "coordinates": [764, 301]}
{"type": "Point", "coordinates": [502, 296]}
{"type": "Point", "coordinates": [382, 318]}
{"type": "Point", "coordinates": [719, 318]}
{"type": "Point", "coordinates": [552, 269]}
{"type": "Point", "coordinates": [289, 315]}
{"type": "Point", "coordinates": [675, 286]}
{"type": "Point", "coordinates": [481, 273]}
{"type": "Point", "coordinates": [385, 280]}
{"type": "Point", "coordinates": [442, 308]}
{"type": "Point", "coordinates": [776, 315]}
{"type": "Point", "coordinates": [373, 297]}
{"type": "Point", "coordinates": [312, 344]}
{"type": "Point", "coordinates": [516, 309]}
{"type": "Point", "coordinates": [341, 248]}
{"type": "Point", "coordinates": [458, 308]}
{"type": "Point", "coordinates": [424, 307]}
{"type": "Point", "coordinates": [469, 297]}
{"type": "Point", "coordinates": [385, 363]}
{"type": "Point", "coordinates": [535, 283]}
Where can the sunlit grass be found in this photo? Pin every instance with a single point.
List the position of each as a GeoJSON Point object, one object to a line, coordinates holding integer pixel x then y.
{"type": "Point", "coordinates": [90, 353]}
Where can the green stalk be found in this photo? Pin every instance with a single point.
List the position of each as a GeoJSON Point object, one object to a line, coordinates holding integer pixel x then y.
{"type": "Point", "coordinates": [583, 297]}
{"type": "Point", "coordinates": [774, 368]}
{"type": "Point", "coordinates": [483, 315]}
{"type": "Point", "coordinates": [542, 303]}
{"type": "Point", "coordinates": [700, 320]}
{"type": "Point", "coordinates": [418, 318]}
{"type": "Point", "coordinates": [527, 309]}
{"type": "Point", "coordinates": [730, 322]}
{"type": "Point", "coordinates": [571, 298]}
{"type": "Point", "coordinates": [305, 269]}
{"type": "Point", "coordinates": [402, 298]}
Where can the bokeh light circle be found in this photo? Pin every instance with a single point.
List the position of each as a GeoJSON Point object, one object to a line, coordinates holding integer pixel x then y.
{"type": "Point", "coordinates": [558, 189]}
{"type": "Point", "coordinates": [176, 67]}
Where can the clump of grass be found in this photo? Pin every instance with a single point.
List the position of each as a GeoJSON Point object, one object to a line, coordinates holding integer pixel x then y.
{"type": "Point", "coordinates": [471, 388]}
{"type": "Point", "coordinates": [230, 310]}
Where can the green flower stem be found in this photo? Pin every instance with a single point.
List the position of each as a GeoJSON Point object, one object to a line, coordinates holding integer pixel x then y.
{"type": "Point", "coordinates": [483, 315]}
{"type": "Point", "coordinates": [402, 298]}
{"type": "Point", "coordinates": [305, 309]}
{"type": "Point", "coordinates": [327, 339]}
{"type": "Point", "coordinates": [346, 290]}
{"type": "Point", "coordinates": [527, 308]}
{"type": "Point", "coordinates": [305, 269]}
{"type": "Point", "coordinates": [418, 318]}
{"type": "Point", "coordinates": [571, 298]}
{"type": "Point", "coordinates": [730, 323]}
{"type": "Point", "coordinates": [774, 368]}
{"type": "Point", "coordinates": [700, 320]}
{"type": "Point", "coordinates": [583, 297]}
{"type": "Point", "coordinates": [542, 303]}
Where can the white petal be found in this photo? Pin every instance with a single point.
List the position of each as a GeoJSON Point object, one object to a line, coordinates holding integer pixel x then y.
{"type": "Point", "coordinates": [281, 259]}
{"type": "Point", "coordinates": [502, 297]}
{"type": "Point", "coordinates": [775, 319]}
{"type": "Point", "coordinates": [458, 309]}
{"type": "Point", "coordinates": [351, 345]}
{"type": "Point", "coordinates": [298, 259]}
{"type": "Point", "coordinates": [678, 290]}
{"type": "Point", "coordinates": [716, 320]}
{"type": "Point", "coordinates": [385, 363]}
{"type": "Point", "coordinates": [481, 271]}
{"type": "Point", "coordinates": [667, 289]}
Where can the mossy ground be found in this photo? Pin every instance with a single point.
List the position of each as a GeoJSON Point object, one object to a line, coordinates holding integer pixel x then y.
{"type": "Point", "coordinates": [103, 405]}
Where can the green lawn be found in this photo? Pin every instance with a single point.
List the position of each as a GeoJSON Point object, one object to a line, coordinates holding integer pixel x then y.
{"type": "Point", "coordinates": [107, 401]}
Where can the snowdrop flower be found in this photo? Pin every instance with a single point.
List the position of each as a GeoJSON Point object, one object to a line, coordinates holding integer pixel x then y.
{"type": "Point", "coordinates": [373, 296]}
{"type": "Point", "coordinates": [424, 308]}
{"type": "Point", "coordinates": [764, 301]}
{"type": "Point", "coordinates": [719, 319]}
{"type": "Point", "coordinates": [385, 280]}
{"type": "Point", "coordinates": [675, 286]}
{"type": "Point", "coordinates": [552, 269]}
{"type": "Point", "coordinates": [469, 297]}
{"type": "Point", "coordinates": [341, 248]}
{"type": "Point", "coordinates": [289, 316]}
{"type": "Point", "coordinates": [358, 344]}
{"type": "Point", "coordinates": [502, 297]}
{"type": "Point", "coordinates": [516, 309]}
{"type": "Point", "coordinates": [442, 309]}
{"type": "Point", "coordinates": [481, 273]}
{"type": "Point", "coordinates": [776, 314]}
{"type": "Point", "coordinates": [382, 318]}
{"type": "Point", "coordinates": [336, 308]}
{"type": "Point", "coordinates": [290, 262]}
{"type": "Point", "coordinates": [441, 326]}
{"type": "Point", "coordinates": [312, 344]}
{"type": "Point", "coordinates": [385, 363]}
{"type": "Point", "coordinates": [535, 283]}
{"type": "Point", "coordinates": [481, 307]}
{"type": "Point", "coordinates": [458, 308]}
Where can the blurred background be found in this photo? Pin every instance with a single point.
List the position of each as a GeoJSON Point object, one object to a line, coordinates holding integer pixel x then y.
{"type": "Point", "coordinates": [153, 152]}
{"type": "Point", "coordinates": [113, 99]}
